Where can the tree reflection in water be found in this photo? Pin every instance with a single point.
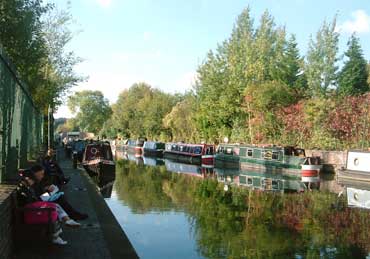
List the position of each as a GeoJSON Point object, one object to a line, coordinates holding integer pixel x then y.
{"type": "Point", "coordinates": [241, 223]}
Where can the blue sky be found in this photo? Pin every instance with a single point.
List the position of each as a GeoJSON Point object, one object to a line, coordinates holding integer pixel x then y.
{"type": "Point", "coordinates": [162, 42]}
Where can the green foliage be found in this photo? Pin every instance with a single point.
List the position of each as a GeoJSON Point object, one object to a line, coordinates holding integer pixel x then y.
{"type": "Point", "coordinates": [180, 120]}
{"type": "Point", "coordinates": [35, 36]}
{"type": "Point", "coordinates": [251, 56]}
{"type": "Point", "coordinates": [256, 87]}
{"type": "Point", "coordinates": [354, 75]}
{"type": "Point", "coordinates": [322, 57]}
{"type": "Point", "coordinates": [139, 111]}
{"type": "Point", "coordinates": [92, 110]}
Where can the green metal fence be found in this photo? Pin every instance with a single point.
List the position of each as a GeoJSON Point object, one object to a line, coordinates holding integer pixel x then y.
{"type": "Point", "coordinates": [21, 124]}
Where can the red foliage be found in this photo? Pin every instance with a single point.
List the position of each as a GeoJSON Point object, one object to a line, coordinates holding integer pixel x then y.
{"type": "Point", "coordinates": [293, 118]}
{"type": "Point", "coordinates": [347, 121]}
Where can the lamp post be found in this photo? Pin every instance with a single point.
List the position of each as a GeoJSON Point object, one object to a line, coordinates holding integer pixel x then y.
{"type": "Point", "coordinates": [50, 127]}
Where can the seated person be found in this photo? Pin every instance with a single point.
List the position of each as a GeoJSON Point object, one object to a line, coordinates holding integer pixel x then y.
{"type": "Point", "coordinates": [43, 184]}
{"type": "Point", "coordinates": [26, 194]}
{"type": "Point", "coordinates": [52, 168]}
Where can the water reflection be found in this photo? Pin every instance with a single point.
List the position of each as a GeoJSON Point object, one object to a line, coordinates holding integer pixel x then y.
{"type": "Point", "coordinates": [104, 181]}
{"type": "Point", "coordinates": [168, 215]}
{"type": "Point", "coordinates": [260, 181]}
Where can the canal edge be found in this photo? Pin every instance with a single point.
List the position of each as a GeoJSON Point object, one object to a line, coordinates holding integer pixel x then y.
{"type": "Point", "coordinates": [116, 239]}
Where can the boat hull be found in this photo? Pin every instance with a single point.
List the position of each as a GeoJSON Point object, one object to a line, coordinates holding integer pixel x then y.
{"type": "Point", "coordinates": [99, 167]}
{"type": "Point", "coordinates": [153, 152]}
{"type": "Point", "coordinates": [183, 158]}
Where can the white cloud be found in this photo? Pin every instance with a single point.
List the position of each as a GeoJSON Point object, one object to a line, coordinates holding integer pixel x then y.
{"type": "Point", "coordinates": [104, 3]}
{"type": "Point", "coordinates": [360, 23]}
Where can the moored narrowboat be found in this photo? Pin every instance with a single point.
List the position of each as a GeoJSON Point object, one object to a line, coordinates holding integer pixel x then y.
{"type": "Point", "coordinates": [357, 167]}
{"type": "Point", "coordinates": [200, 154]}
{"type": "Point", "coordinates": [272, 159]}
{"type": "Point", "coordinates": [153, 148]}
{"type": "Point", "coordinates": [98, 159]}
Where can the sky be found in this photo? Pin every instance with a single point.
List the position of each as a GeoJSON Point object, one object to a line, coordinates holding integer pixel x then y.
{"type": "Point", "coordinates": [162, 42]}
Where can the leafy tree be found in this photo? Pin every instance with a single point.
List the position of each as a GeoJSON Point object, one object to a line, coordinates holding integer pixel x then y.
{"type": "Point", "coordinates": [321, 68]}
{"type": "Point", "coordinates": [262, 101]}
{"type": "Point", "coordinates": [35, 35]}
{"type": "Point", "coordinates": [181, 122]}
{"type": "Point", "coordinates": [91, 110]}
{"type": "Point", "coordinates": [353, 76]}
{"type": "Point", "coordinates": [139, 111]}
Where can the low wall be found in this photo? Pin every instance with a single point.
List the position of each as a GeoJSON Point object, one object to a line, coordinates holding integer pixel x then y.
{"type": "Point", "coordinates": [6, 220]}
{"type": "Point", "coordinates": [332, 160]}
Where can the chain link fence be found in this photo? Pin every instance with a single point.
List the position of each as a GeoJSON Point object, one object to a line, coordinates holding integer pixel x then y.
{"type": "Point", "coordinates": [21, 124]}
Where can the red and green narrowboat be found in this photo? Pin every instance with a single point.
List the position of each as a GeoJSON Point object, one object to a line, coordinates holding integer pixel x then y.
{"type": "Point", "coordinates": [200, 154]}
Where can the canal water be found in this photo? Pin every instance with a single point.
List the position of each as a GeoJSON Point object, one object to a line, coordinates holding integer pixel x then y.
{"type": "Point", "coordinates": [173, 210]}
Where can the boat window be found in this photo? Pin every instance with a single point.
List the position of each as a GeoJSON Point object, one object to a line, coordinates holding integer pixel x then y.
{"type": "Point", "coordinates": [275, 155]}
{"type": "Point", "coordinates": [267, 154]}
{"type": "Point", "coordinates": [236, 151]}
{"type": "Point", "coordinates": [209, 151]}
{"type": "Point", "coordinates": [249, 181]}
{"type": "Point", "coordinates": [250, 152]}
{"type": "Point", "coordinates": [229, 151]}
{"type": "Point", "coordinates": [198, 150]}
{"type": "Point", "coordinates": [220, 149]}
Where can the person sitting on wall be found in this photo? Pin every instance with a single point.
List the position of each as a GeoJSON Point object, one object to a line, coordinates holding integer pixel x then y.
{"type": "Point", "coordinates": [26, 194]}
{"type": "Point", "coordinates": [43, 184]}
{"type": "Point", "coordinates": [53, 170]}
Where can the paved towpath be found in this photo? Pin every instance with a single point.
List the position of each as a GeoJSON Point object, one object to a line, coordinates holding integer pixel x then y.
{"type": "Point", "coordinates": [100, 236]}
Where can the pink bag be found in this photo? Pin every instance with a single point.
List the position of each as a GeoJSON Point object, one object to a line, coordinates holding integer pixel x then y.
{"type": "Point", "coordinates": [40, 216]}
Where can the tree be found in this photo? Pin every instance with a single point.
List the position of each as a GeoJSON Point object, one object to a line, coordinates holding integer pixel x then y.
{"type": "Point", "coordinates": [353, 76]}
{"type": "Point", "coordinates": [91, 110]}
{"type": "Point", "coordinates": [321, 66]}
{"type": "Point", "coordinates": [181, 122]}
{"type": "Point", "coordinates": [139, 111]}
{"type": "Point", "coordinates": [35, 36]}
{"type": "Point", "coordinates": [262, 101]}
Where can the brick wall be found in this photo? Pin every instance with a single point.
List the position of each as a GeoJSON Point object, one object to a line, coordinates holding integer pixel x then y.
{"type": "Point", "coordinates": [332, 160]}
{"type": "Point", "coordinates": [6, 216]}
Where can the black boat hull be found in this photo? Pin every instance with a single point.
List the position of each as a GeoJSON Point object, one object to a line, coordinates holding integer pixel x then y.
{"type": "Point", "coordinates": [196, 160]}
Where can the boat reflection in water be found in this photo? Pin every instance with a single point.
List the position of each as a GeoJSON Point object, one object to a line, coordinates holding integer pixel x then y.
{"type": "Point", "coordinates": [153, 161]}
{"type": "Point", "coordinates": [260, 181]}
{"type": "Point", "coordinates": [182, 211]}
{"type": "Point", "coordinates": [134, 158]}
{"type": "Point", "coordinates": [189, 169]}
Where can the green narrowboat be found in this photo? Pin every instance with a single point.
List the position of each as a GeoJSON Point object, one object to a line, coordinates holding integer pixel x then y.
{"type": "Point", "coordinates": [272, 159]}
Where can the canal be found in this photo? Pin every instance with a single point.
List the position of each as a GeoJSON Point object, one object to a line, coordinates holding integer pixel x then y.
{"type": "Point", "coordinates": [172, 210]}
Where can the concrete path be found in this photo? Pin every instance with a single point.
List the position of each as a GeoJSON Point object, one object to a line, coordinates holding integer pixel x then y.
{"type": "Point", "coordinates": [100, 236]}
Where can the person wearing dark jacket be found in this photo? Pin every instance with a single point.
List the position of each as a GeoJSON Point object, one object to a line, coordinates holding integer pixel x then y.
{"type": "Point", "coordinates": [53, 170]}
{"type": "Point", "coordinates": [43, 184]}
{"type": "Point", "coordinates": [26, 194]}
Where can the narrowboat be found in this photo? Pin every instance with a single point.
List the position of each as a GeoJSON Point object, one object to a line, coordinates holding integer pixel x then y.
{"type": "Point", "coordinates": [98, 159]}
{"type": "Point", "coordinates": [200, 154]}
{"type": "Point", "coordinates": [267, 158]}
{"type": "Point", "coordinates": [153, 148]}
{"type": "Point", "coordinates": [357, 167]}
{"type": "Point", "coordinates": [135, 147]}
